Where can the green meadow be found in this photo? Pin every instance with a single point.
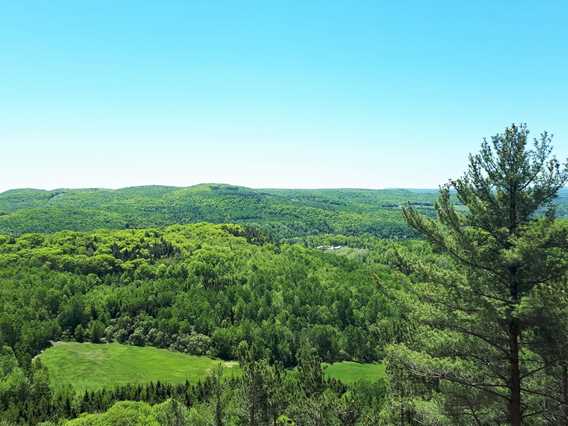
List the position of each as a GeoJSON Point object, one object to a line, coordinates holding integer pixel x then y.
{"type": "Point", "coordinates": [350, 372]}
{"type": "Point", "coordinates": [94, 366]}
{"type": "Point", "coordinates": [89, 366]}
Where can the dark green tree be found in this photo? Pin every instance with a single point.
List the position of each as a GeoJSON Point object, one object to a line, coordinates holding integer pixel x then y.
{"type": "Point", "coordinates": [96, 331]}
{"type": "Point", "coordinates": [217, 397]}
{"type": "Point", "coordinates": [253, 392]}
{"type": "Point", "coordinates": [79, 333]}
{"type": "Point", "coordinates": [40, 394]}
{"type": "Point", "coordinates": [497, 248]}
{"type": "Point", "coordinates": [310, 371]}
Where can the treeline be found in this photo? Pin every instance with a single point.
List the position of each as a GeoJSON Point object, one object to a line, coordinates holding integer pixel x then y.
{"type": "Point", "coordinates": [27, 398]}
{"type": "Point", "coordinates": [265, 394]}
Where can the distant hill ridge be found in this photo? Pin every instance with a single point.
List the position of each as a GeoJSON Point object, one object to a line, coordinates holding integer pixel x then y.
{"type": "Point", "coordinates": [282, 213]}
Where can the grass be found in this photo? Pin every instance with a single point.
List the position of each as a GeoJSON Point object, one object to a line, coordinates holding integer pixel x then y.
{"type": "Point", "coordinates": [350, 372]}
{"type": "Point", "coordinates": [95, 366]}
{"type": "Point", "coordinates": [89, 366]}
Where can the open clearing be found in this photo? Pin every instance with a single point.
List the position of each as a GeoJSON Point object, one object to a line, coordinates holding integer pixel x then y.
{"type": "Point", "coordinates": [350, 372]}
{"type": "Point", "coordinates": [95, 366]}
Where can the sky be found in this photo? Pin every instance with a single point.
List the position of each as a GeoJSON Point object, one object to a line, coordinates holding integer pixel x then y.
{"type": "Point", "coordinates": [303, 94]}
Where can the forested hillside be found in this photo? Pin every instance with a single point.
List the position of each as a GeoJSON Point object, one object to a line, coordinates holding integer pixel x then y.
{"type": "Point", "coordinates": [199, 289]}
{"type": "Point", "coordinates": [283, 214]}
{"type": "Point", "coordinates": [280, 213]}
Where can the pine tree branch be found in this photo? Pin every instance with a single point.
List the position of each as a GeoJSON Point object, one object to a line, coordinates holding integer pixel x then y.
{"type": "Point", "coordinates": [478, 386]}
{"type": "Point", "coordinates": [493, 368]}
{"type": "Point", "coordinates": [545, 395]}
{"type": "Point", "coordinates": [537, 370]}
{"type": "Point", "coordinates": [479, 336]}
{"type": "Point", "coordinates": [473, 414]}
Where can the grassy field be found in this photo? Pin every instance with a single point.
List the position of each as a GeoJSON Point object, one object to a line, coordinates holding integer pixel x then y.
{"type": "Point", "coordinates": [350, 372]}
{"type": "Point", "coordinates": [95, 366]}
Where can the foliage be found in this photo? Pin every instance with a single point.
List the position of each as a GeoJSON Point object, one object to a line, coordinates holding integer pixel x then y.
{"type": "Point", "coordinates": [478, 355]}
{"type": "Point", "coordinates": [281, 214]}
{"type": "Point", "coordinates": [200, 289]}
{"type": "Point", "coordinates": [136, 413]}
{"type": "Point", "coordinates": [195, 288]}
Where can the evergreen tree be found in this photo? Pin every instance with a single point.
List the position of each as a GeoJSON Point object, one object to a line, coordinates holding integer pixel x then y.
{"type": "Point", "coordinates": [96, 331]}
{"type": "Point", "coordinates": [40, 393]}
{"type": "Point", "coordinates": [218, 400]}
{"type": "Point", "coordinates": [310, 371]}
{"type": "Point", "coordinates": [79, 333]}
{"type": "Point", "coordinates": [252, 389]}
{"type": "Point", "coordinates": [262, 391]}
{"type": "Point", "coordinates": [477, 346]}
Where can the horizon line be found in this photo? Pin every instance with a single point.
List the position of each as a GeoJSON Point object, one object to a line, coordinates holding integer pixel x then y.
{"type": "Point", "coordinates": [314, 188]}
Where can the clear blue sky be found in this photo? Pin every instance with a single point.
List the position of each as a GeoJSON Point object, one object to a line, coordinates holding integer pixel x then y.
{"type": "Point", "coordinates": [271, 93]}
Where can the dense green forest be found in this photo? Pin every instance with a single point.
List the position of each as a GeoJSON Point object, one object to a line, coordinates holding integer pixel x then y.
{"type": "Point", "coordinates": [200, 289]}
{"type": "Point", "coordinates": [461, 295]}
{"type": "Point", "coordinates": [283, 214]}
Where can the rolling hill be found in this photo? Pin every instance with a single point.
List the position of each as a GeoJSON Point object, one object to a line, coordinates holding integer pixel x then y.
{"type": "Point", "coordinates": [281, 213]}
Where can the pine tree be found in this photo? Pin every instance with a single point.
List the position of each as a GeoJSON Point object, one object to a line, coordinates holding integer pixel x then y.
{"type": "Point", "coordinates": [96, 331]}
{"type": "Point", "coordinates": [477, 346]}
{"type": "Point", "coordinates": [310, 371]}
{"type": "Point", "coordinates": [217, 397]}
{"type": "Point", "coordinates": [79, 333]}
{"type": "Point", "coordinates": [252, 392]}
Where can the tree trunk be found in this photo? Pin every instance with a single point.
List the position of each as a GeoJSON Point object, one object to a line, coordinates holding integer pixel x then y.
{"type": "Point", "coordinates": [218, 412]}
{"type": "Point", "coordinates": [565, 392]}
{"type": "Point", "coordinates": [515, 374]}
